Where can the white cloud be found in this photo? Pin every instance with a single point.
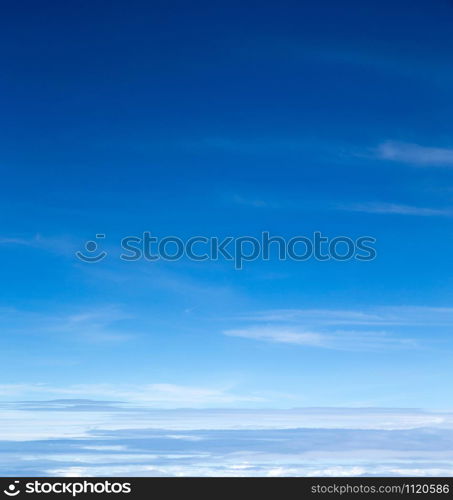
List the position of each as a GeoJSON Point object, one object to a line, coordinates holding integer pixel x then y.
{"type": "Point", "coordinates": [397, 209]}
{"type": "Point", "coordinates": [415, 154]}
{"type": "Point", "coordinates": [282, 335]}
{"type": "Point", "coordinates": [102, 324]}
{"type": "Point", "coordinates": [17, 241]}
{"type": "Point", "coordinates": [372, 316]}
{"type": "Point", "coordinates": [144, 441]}
{"type": "Point", "coordinates": [61, 245]}
{"type": "Point", "coordinates": [345, 329]}
{"type": "Point", "coordinates": [158, 394]}
{"type": "Point", "coordinates": [199, 468]}
{"type": "Point", "coordinates": [256, 203]}
{"type": "Point", "coordinates": [338, 339]}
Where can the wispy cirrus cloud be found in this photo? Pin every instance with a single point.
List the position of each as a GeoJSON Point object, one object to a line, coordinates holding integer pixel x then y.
{"type": "Point", "coordinates": [415, 154]}
{"type": "Point", "coordinates": [62, 245]}
{"type": "Point", "coordinates": [279, 334]}
{"type": "Point", "coordinates": [251, 202]}
{"type": "Point", "coordinates": [101, 324]}
{"type": "Point", "coordinates": [347, 340]}
{"type": "Point", "coordinates": [371, 329]}
{"type": "Point", "coordinates": [161, 395]}
{"type": "Point", "coordinates": [371, 316]}
{"type": "Point", "coordinates": [17, 241]}
{"type": "Point", "coordinates": [397, 209]}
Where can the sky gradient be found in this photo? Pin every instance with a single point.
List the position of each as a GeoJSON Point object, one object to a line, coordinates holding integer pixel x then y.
{"type": "Point", "coordinates": [217, 119]}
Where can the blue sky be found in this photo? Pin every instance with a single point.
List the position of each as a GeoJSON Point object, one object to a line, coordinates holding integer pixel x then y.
{"type": "Point", "coordinates": [227, 119]}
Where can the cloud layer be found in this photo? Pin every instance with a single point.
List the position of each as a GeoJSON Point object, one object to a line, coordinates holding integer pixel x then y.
{"type": "Point", "coordinates": [77, 438]}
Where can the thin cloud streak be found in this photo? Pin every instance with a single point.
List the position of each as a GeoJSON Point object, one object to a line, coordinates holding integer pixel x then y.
{"type": "Point", "coordinates": [59, 245]}
{"type": "Point", "coordinates": [161, 395]}
{"type": "Point", "coordinates": [337, 340]}
{"type": "Point", "coordinates": [396, 209]}
{"type": "Point", "coordinates": [374, 316]}
{"type": "Point", "coordinates": [415, 154]}
{"type": "Point", "coordinates": [103, 324]}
